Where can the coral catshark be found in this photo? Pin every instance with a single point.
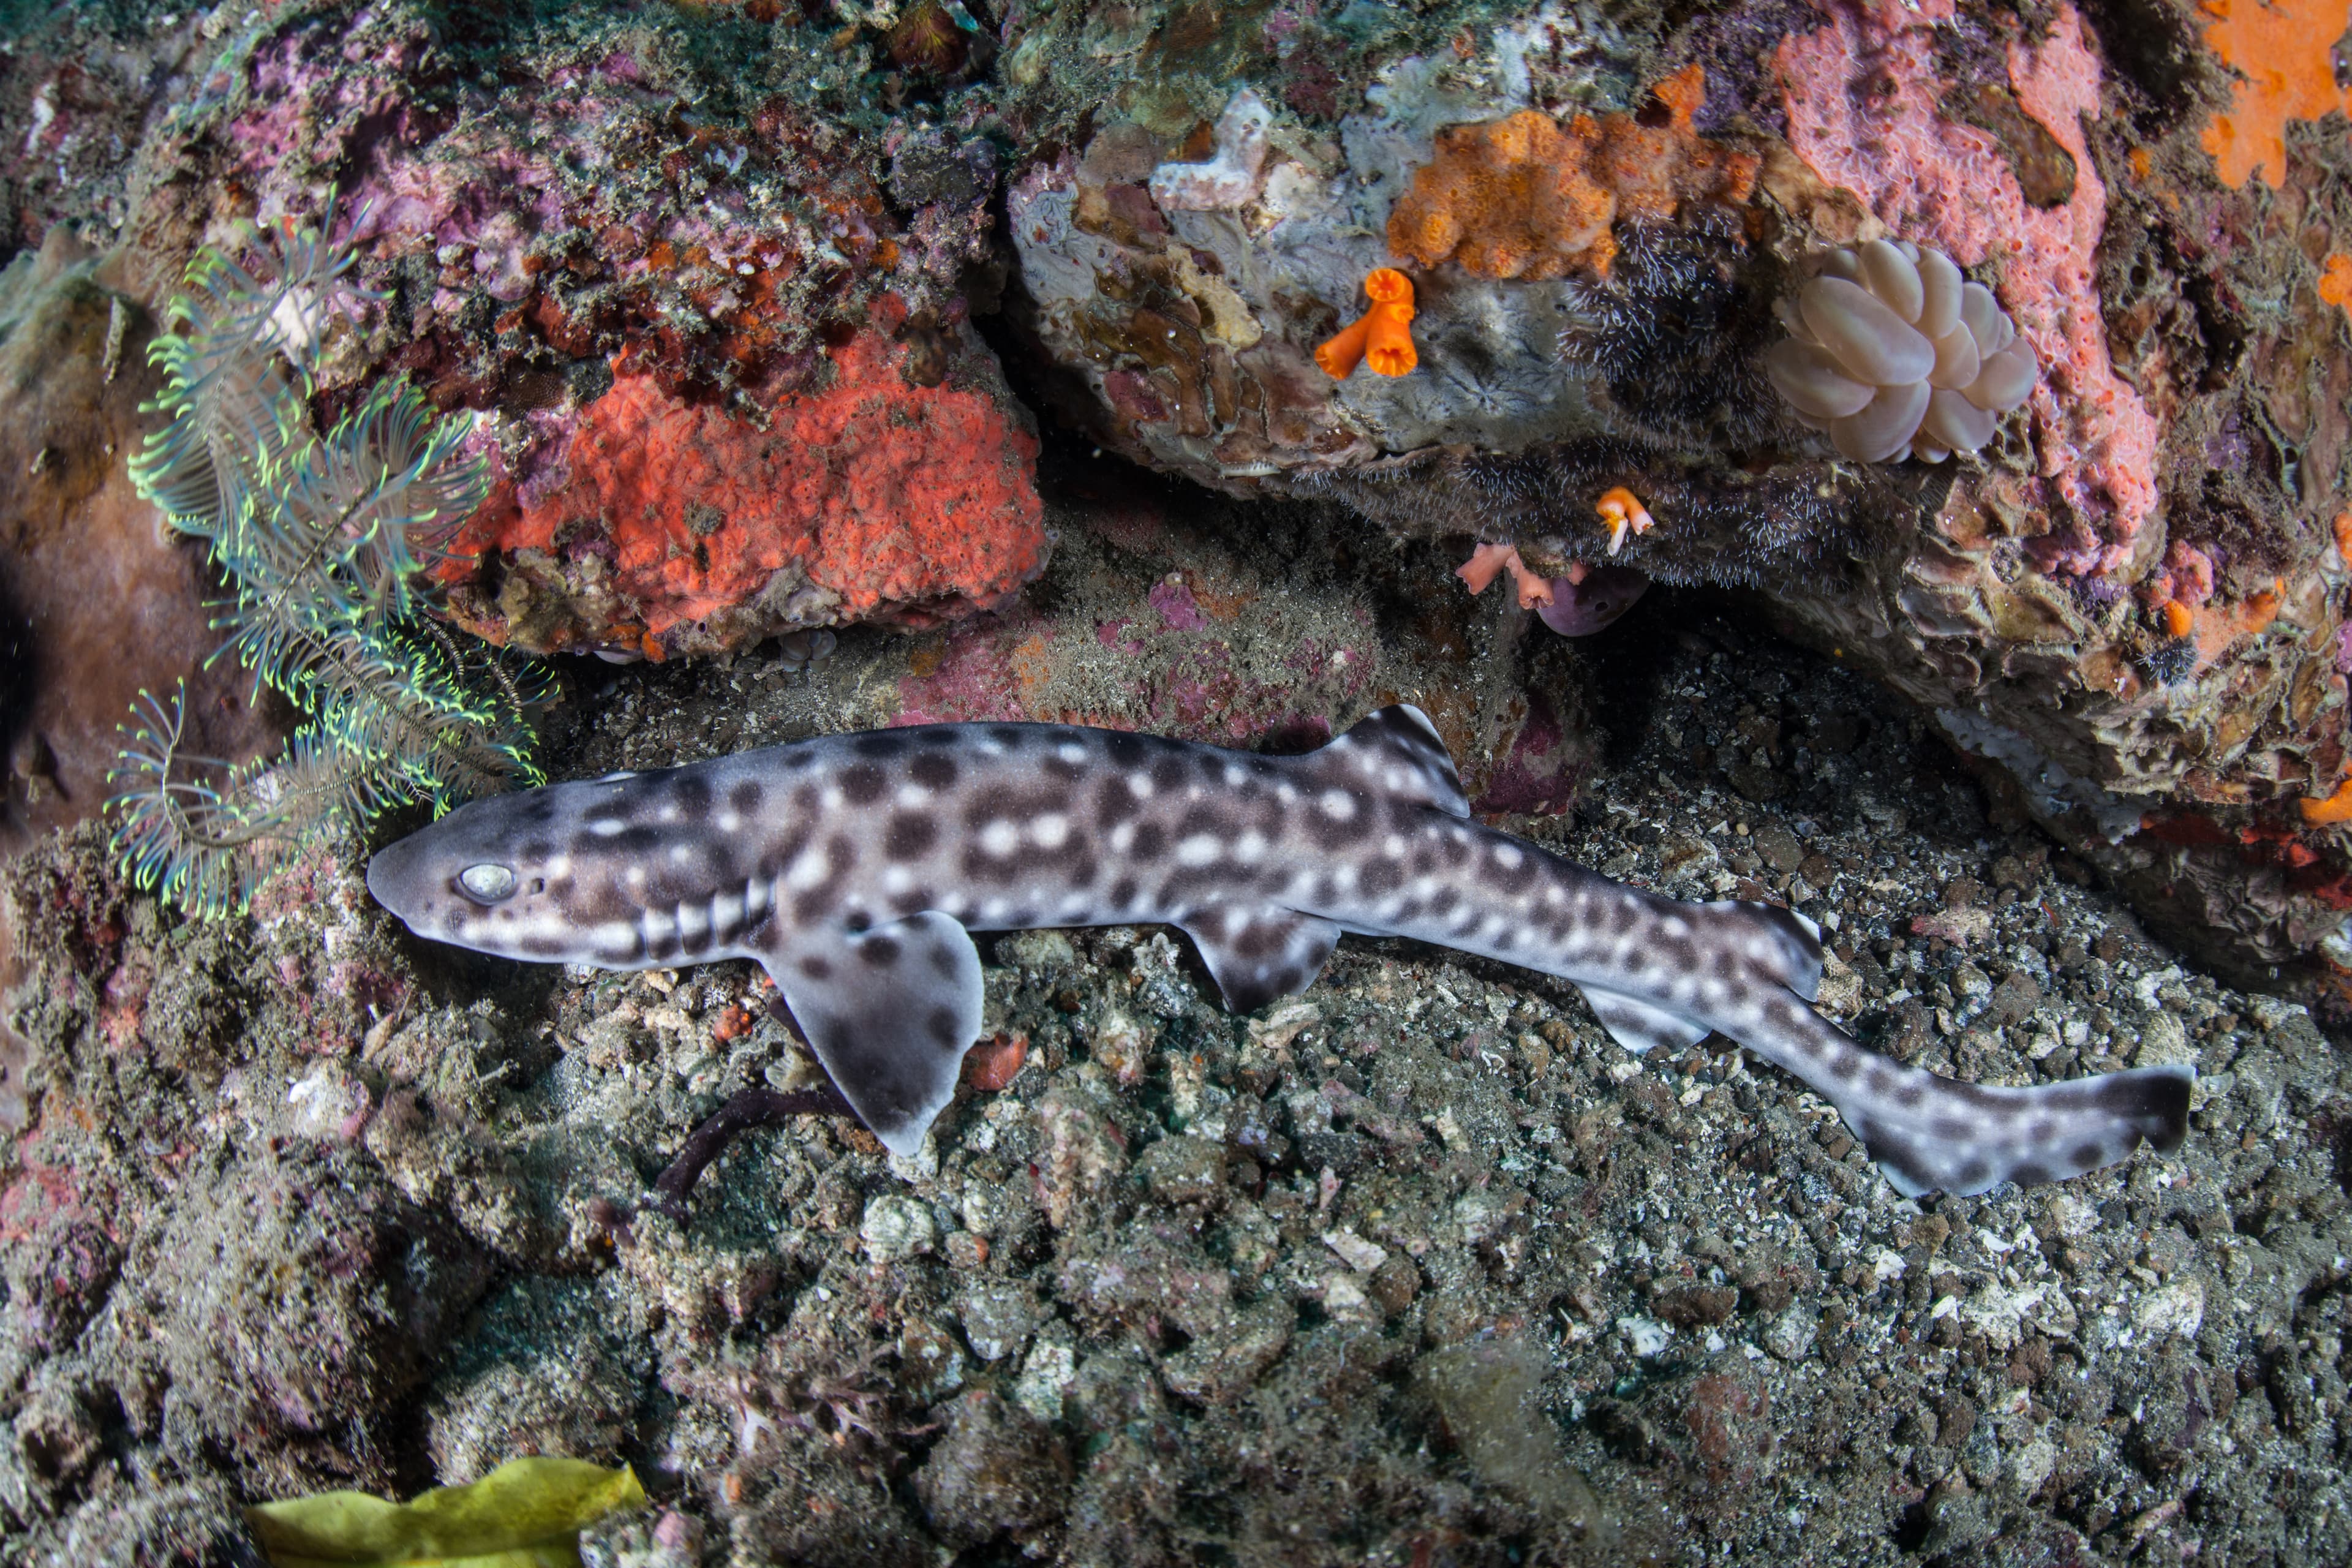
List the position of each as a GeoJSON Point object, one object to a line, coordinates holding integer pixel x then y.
{"type": "Point", "coordinates": [855, 866]}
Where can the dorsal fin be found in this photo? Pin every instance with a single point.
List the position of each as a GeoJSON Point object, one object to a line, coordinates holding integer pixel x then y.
{"type": "Point", "coordinates": [1395, 754]}
{"type": "Point", "coordinates": [1782, 944]}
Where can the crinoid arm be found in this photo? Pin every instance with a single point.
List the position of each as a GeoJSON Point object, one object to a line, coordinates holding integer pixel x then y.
{"type": "Point", "coordinates": [199, 831]}
{"type": "Point", "coordinates": [324, 539]}
{"type": "Point", "coordinates": [236, 371]}
{"type": "Point", "coordinates": [341, 525]}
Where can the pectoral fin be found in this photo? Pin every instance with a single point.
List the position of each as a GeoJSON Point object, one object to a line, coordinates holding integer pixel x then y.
{"type": "Point", "coordinates": [890, 1013]}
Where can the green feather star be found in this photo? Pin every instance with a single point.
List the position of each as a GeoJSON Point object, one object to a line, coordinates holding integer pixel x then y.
{"type": "Point", "coordinates": [323, 538]}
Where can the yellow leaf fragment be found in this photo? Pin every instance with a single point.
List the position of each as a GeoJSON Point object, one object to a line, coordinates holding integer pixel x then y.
{"type": "Point", "coordinates": [527, 1513]}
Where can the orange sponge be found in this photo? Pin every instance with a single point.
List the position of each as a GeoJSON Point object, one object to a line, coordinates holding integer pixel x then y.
{"type": "Point", "coordinates": [2284, 51]}
{"type": "Point", "coordinates": [1382, 336]}
{"type": "Point", "coordinates": [1525, 196]}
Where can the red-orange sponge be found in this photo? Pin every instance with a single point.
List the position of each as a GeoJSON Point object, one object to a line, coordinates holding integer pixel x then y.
{"type": "Point", "coordinates": [872, 500]}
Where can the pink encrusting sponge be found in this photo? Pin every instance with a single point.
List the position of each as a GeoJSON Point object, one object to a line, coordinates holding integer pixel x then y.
{"type": "Point", "coordinates": [1865, 98]}
{"type": "Point", "coordinates": [1897, 355]}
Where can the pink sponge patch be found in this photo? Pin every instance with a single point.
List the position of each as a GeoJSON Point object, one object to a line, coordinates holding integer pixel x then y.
{"type": "Point", "coordinates": [1862, 95]}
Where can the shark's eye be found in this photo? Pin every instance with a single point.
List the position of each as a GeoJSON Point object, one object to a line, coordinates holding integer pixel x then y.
{"type": "Point", "coordinates": [486, 883]}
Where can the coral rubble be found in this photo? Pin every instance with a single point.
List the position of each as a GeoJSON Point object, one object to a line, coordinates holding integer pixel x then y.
{"type": "Point", "coordinates": [1425, 1247]}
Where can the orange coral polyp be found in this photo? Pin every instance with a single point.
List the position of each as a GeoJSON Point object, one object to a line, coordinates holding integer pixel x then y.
{"type": "Point", "coordinates": [1382, 336]}
{"type": "Point", "coordinates": [1621, 510]}
{"type": "Point", "coordinates": [1341, 355]}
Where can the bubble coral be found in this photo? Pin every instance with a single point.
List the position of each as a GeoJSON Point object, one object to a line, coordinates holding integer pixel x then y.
{"type": "Point", "coordinates": [1525, 196]}
{"type": "Point", "coordinates": [1894, 354]}
{"type": "Point", "coordinates": [1382, 336]}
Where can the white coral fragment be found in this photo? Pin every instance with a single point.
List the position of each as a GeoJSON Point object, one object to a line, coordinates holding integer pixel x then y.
{"type": "Point", "coordinates": [1896, 355]}
{"type": "Point", "coordinates": [1233, 175]}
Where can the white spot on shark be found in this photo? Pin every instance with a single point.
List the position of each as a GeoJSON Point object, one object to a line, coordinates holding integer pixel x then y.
{"type": "Point", "coordinates": [1199, 849]}
{"type": "Point", "coordinates": [809, 868]}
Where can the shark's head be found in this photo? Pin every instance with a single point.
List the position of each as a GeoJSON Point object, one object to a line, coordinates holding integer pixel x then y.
{"type": "Point", "coordinates": [495, 876]}
{"type": "Point", "coordinates": [626, 871]}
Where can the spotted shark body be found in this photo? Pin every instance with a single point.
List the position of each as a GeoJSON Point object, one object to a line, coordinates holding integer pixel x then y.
{"type": "Point", "coordinates": [855, 868]}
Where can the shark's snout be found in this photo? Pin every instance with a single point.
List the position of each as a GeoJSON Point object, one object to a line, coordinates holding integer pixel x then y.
{"type": "Point", "coordinates": [394, 875]}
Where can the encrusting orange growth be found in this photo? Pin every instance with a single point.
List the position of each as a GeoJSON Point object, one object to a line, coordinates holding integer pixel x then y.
{"type": "Point", "coordinates": [1525, 196]}
{"type": "Point", "coordinates": [2216, 627]}
{"type": "Point", "coordinates": [2342, 527]}
{"type": "Point", "coordinates": [1381, 337]}
{"type": "Point", "coordinates": [1621, 511]}
{"type": "Point", "coordinates": [2335, 283]}
{"type": "Point", "coordinates": [2284, 51]}
{"type": "Point", "coordinates": [2336, 808]}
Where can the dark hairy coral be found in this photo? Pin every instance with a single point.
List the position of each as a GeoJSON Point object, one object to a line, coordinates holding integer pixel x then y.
{"type": "Point", "coordinates": [1715, 524]}
{"type": "Point", "coordinates": [320, 537]}
{"type": "Point", "coordinates": [1675, 333]}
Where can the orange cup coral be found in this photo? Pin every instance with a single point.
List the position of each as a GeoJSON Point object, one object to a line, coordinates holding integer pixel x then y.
{"type": "Point", "coordinates": [1381, 337]}
{"type": "Point", "coordinates": [1622, 512]}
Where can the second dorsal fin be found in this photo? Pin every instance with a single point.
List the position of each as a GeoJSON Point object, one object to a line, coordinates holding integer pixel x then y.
{"type": "Point", "coordinates": [1395, 754]}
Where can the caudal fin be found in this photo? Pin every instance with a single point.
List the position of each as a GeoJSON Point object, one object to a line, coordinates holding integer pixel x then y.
{"type": "Point", "coordinates": [1931, 1133]}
